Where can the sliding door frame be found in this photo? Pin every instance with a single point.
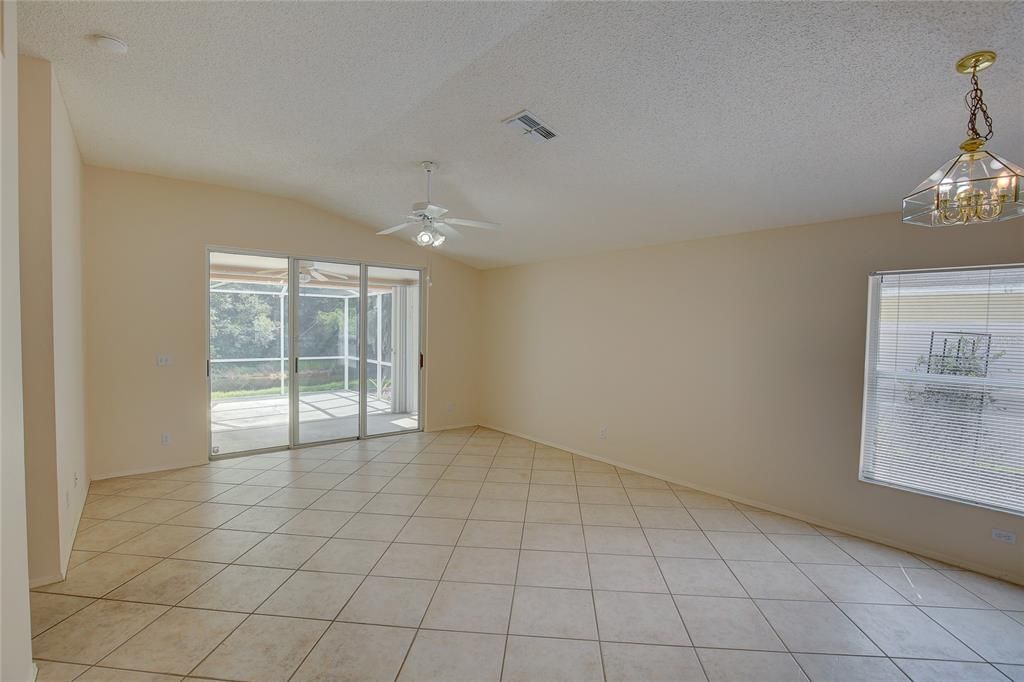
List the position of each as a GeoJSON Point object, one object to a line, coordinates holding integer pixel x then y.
{"type": "Point", "coordinates": [209, 364]}
{"type": "Point", "coordinates": [293, 347]}
{"type": "Point", "coordinates": [363, 330]}
{"type": "Point", "coordinates": [293, 356]}
{"type": "Point", "coordinates": [364, 300]}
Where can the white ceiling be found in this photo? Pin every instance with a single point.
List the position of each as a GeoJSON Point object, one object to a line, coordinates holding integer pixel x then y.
{"type": "Point", "coordinates": [675, 120]}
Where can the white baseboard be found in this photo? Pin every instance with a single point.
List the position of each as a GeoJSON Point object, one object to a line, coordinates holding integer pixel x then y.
{"type": "Point", "coordinates": [148, 470]}
{"type": "Point", "coordinates": [45, 580]}
{"type": "Point", "coordinates": [64, 560]}
{"type": "Point", "coordinates": [449, 427]}
{"type": "Point", "coordinates": [817, 521]}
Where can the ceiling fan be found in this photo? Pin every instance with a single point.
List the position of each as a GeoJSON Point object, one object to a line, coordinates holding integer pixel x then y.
{"type": "Point", "coordinates": [311, 273]}
{"type": "Point", "coordinates": [434, 226]}
{"type": "Point", "coordinates": [306, 274]}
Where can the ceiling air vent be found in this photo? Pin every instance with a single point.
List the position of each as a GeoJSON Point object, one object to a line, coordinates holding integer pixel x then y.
{"type": "Point", "coordinates": [530, 127]}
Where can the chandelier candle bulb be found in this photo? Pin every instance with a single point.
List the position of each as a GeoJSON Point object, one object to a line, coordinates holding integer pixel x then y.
{"type": "Point", "coordinates": [977, 186]}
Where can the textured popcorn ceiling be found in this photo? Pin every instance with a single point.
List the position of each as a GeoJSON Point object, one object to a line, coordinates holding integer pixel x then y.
{"type": "Point", "coordinates": [675, 120]}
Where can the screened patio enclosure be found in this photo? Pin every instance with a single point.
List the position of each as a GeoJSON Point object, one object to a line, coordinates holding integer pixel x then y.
{"type": "Point", "coordinates": [340, 361]}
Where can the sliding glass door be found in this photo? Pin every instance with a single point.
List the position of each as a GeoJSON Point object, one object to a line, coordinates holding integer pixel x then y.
{"type": "Point", "coordinates": [327, 351]}
{"type": "Point", "coordinates": [248, 353]}
{"type": "Point", "coordinates": [392, 349]}
{"type": "Point", "coordinates": [339, 360]}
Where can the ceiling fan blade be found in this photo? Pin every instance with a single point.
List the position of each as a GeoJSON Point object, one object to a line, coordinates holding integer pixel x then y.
{"type": "Point", "coordinates": [447, 230]}
{"type": "Point", "coordinates": [316, 274]}
{"type": "Point", "coordinates": [396, 228]}
{"type": "Point", "coordinates": [473, 223]}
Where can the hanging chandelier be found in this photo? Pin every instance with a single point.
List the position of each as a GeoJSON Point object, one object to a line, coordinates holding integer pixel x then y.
{"type": "Point", "coordinates": [977, 186]}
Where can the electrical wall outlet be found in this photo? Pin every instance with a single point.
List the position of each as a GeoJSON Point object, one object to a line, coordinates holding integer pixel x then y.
{"type": "Point", "coordinates": [1007, 536]}
{"type": "Point", "coordinates": [76, 479]}
{"type": "Point", "coordinates": [603, 433]}
{"type": "Point", "coordinates": [164, 361]}
{"type": "Point", "coordinates": [165, 439]}
{"type": "Point", "coordinates": [451, 408]}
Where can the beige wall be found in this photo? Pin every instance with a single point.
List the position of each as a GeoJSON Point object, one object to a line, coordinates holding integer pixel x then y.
{"type": "Point", "coordinates": [37, 319]}
{"type": "Point", "coordinates": [68, 328]}
{"type": "Point", "coordinates": [15, 644]}
{"type": "Point", "coordinates": [145, 281]}
{"type": "Point", "coordinates": [51, 317]}
{"type": "Point", "coordinates": [733, 364]}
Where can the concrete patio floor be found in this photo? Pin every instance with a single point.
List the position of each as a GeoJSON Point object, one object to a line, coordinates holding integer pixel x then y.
{"type": "Point", "coordinates": [241, 424]}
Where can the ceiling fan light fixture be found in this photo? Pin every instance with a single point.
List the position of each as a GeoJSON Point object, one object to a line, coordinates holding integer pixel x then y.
{"type": "Point", "coordinates": [435, 228]}
{"type": "Point", "coordinates": [976, 186]}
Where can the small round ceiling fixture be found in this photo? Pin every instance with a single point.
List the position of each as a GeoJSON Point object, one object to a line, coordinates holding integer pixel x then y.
{"type": "Point", "coordinates": [109, 43]}
{"type": "Point", "coordinates": [976, 61]}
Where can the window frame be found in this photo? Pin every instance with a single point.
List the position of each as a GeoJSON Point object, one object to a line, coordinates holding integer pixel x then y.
{"type": "Point", "coordinates": [870, 371]}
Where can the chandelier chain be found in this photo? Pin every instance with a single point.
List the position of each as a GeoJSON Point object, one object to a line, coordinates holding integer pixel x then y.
{"type": "Point", "coordinates": [974, 99]}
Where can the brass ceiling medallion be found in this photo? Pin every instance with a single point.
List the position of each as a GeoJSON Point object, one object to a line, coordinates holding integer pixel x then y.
{"type": "Point", "coordinates": [976, 61]}
{"type": "Point", "coordinates": [976, 186]}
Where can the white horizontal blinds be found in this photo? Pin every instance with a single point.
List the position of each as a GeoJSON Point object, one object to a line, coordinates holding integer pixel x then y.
{"type": "Point", "coordinates": [944, 385]}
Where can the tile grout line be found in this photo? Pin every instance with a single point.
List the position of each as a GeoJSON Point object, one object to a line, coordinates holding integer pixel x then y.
{"type": "Point", "coordinates": [857, 626]}
{"type": "Point", "coordinates": [364, 578]}
{"type": "Point", "coordinates": [836, 605]}
{"type": "Point", "coordinates": [671, 596]}
{"type": "Point", "coordinates": [753, 601]}
{"type": "Point", "coordinates": [767, 620]}
{"type": "Point", "coordinates": [590, 575]}
{"type": "Point", "coordinates": [437, 584]}
{"type": "Point", "coordinates": [252, 613]}
{"type": "Point", "coordinates": [248, 615]}
{"type": "Point", "coordinates": [512, 603]}
{"type": "Point", "coordinates": [362, 462]}
{"type": "Point", "coordinates": [840, 610]}
{"type": "Point", "coordinates": [361, 582]}
{"type": "Point", "coordinates": [581, 639]}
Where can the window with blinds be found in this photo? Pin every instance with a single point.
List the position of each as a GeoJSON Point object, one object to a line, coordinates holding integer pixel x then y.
{"type": "Point", "coordinates": [944, 385]}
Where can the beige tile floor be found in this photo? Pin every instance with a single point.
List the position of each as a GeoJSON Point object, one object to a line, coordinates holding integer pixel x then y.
{"type": "Point", "coordinates": [472, 555]}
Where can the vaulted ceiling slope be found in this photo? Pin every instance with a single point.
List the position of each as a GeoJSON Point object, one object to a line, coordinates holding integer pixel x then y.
{"type": "Point", "coordinates": [674, 120]}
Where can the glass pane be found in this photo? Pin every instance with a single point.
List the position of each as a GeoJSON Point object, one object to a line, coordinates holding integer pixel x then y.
{"type": "Point", "coordinates": [328, 351]}
{"type": "Point", "coordinates": [944, 396]}
{"type": "Point", "coordinates": [385, 328]}
{"type": "Point", "coordinates": [393, 332]}
{"type": "Point", "coordinates": [248, 352]}
{"type": "Point", "coordinates": [372, 320]}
